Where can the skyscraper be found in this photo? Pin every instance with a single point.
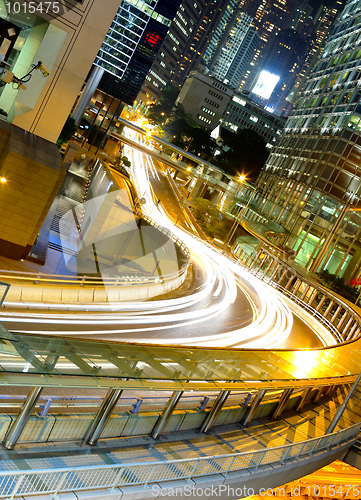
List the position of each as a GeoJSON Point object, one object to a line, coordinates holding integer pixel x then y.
{"type": "Point", "coordinates": [198, 43]}
{"type": "Point", "coordinates": [184, 45]}
{"type": "Point", "coordinates": [322, 24]}
{"type": "Point", "coordinates": [220, 31]}
{"type": "Point", "coordinates": [284, 61]}
{"type": "Point", "coordinates": [128, 51]}
{"type": "Point", "coordinates": [270, 17]}
{"type": "Point", "coordinates": [311, 182]}
{"type": "Point", "coordinates": [235, 50]}
{"type": "Point", "coordinates": [132, 44]}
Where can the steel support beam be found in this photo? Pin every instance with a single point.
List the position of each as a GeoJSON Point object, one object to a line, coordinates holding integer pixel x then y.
{"type": "Point", "coordinates": [20, 422]}
{"type": "Point", "coordinates": [305, 292]}
{"type": "Point", "coordinates": [342, 408]}
{"type": "Point", "coordinates": [303, 398]}
{"type": "Point", "coordinates": [285, 396]}
{"type": "Point", "coordinates": [319, 394]}
{"type": "Point", "coordinates": [214, 411]}
{"type": "Point", "coordinates": [320, 304]}
{"type": "Point", "coordinates": [349, 336]}
{"type": "Point", "coordinates": [252, 409]}
{"type": "Point", "coordinates": [167, 413]}
{"type": "Point", "coordinates": [106, 409]}
{"type": "Point", "coordinates": [336, 314]}
{"type": "Point", "coordinates": [329, 307]}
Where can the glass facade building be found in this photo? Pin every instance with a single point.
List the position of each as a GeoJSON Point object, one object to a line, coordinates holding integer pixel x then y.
{"type": "Point", "coordinates": [235, 50]}
{"type": "Point", "coordinates": [132, 44]}
{"type": "Point", "coordinates": [311, 182]}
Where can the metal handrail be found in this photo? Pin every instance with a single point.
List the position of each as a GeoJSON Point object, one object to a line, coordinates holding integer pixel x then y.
{"type": "Point", "coordinates": [54, 481]}
{"type": "Point", "coordinates": [168, 233]}
{"type": "Point", "coordinates": [317, 286]}
{"type": "Point", "coordinates": [131, 278]}
{"type": "Point", "coordinates": [36, 278]}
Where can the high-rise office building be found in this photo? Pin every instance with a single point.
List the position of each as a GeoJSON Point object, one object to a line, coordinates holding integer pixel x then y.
{"type": "Point", "coordinates": [220, 31]}
{"type": "Point", "coordinates": [235, 50]}
{"type": "Point", "coordinates": [269, 18]}
{"type": "Point", "coordinates": [301, 14]}
{"type": "Point", "coordinates": [181, 29]}
{"type": "Point", "coordinates": [282, 66]}
{"type": "Point", "coordinates": [322, 24]}
{"type": "Point", "coordinates": [132, 44]}
{"type": "Point", "coordinates": [128, 52]}
{"type": "Point", "coordinates": [311, 182]}
{"type": "Point", "coordinates": [184, 45]}
{"type": "Point", "coordinates": [198, 43]}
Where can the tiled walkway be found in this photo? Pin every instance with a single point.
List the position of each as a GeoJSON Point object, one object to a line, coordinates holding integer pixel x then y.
{"type": "Point", "coordinates": [262, 433]}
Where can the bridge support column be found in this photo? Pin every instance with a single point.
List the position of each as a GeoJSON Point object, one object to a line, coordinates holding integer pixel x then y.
{"type": "Point", "coordinates": [303, 399]}
{"type": "Point", "coordinates": [20, 422]}
{"type": "Point", "coordinates": [214, 412]}
{"type": "Point", "coordinates": [342, 408]}
{"type": "Point", "coordinates": [285, 396]}
{"type": "Point", "coordinates": [106, 409]}
{"type": "Point", "coordinates": [167, 413]}
{"type": "Point", "coordinates": [252, 409]}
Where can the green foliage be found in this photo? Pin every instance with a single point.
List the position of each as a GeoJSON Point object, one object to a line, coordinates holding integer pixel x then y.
{"type": "Point", "coordinates": [209, 218]}
{"type": "Point", "coordinates": [178, 127]}
{"type": "Point", "coordinates": [246, 155]}
{"type": "Point", "coordinates": [338, 285]}
{"type": "Point", "coordinates": [120, 163]}
{"type": "Point", "coordinates": [67, 132]}
{"type": "Point", "coordinates": [160, 112]}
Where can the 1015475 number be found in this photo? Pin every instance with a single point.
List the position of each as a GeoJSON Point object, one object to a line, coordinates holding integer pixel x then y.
{"type": "Point", "coordinates": [33, 7]}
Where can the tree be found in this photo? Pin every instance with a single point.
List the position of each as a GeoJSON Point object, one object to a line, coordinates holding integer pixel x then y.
{"type": "Point", "coordinates": [120, 163]}
{"type": "Point", "coordinates": [67, 132]}
{"type": "Point", "coordinates": [201, 143]}
{"type": "Point", "coordinates": [338, 285]}
{"type": "Point", "coordinates": [247, 153]}
{"type": "Point", "coordinates": [161, 111]}
{"type": "Point", "coordinates": [209, 218]}
{"type": "Point", "coordinates": [178, 127]}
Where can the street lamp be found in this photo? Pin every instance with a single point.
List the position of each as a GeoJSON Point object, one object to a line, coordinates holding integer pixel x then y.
{"type": "Point", "coordinates": [239, 216]}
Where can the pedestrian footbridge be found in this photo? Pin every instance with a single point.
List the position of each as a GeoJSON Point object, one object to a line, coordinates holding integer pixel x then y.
{"type": "Point", "coordinates": [262, 417]}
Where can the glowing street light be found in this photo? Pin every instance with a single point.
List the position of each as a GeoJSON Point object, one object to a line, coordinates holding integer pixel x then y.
{"type": "Point", "coordinates": [3, 180]}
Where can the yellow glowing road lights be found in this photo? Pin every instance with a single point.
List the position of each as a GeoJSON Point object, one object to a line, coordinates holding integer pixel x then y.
{"type": "Point", "coordinates": [242, 178]}
{"type": "Point", "coordinates": [2, 180]}
{"type": "Point", "coordinates": [149, 133]}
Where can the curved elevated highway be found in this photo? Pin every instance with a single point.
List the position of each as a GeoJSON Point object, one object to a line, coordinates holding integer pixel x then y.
{"type": "Point", "coordinates": [275, 414]}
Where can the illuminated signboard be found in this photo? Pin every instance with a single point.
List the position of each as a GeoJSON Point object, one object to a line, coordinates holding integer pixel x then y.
{"type": "Point", "coordinates": [152, 38]}
{"type": "Point", "coordinates": [265, 84]}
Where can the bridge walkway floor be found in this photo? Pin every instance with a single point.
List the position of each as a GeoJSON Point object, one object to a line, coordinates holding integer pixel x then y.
{"type": "Point", "coordinates": [262, 433]}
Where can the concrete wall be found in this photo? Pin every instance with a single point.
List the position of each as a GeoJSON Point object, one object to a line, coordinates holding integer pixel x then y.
{"type": "Point", "coordinates": [85, 26]}
{"type": "Point", "coordinates": [89, 294]}
{"type": "Point", "coordinates": [34, 171]}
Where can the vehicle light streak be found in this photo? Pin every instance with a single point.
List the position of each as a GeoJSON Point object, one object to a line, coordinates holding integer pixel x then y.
{"type": "Point", "coordinates": [223, 281]}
